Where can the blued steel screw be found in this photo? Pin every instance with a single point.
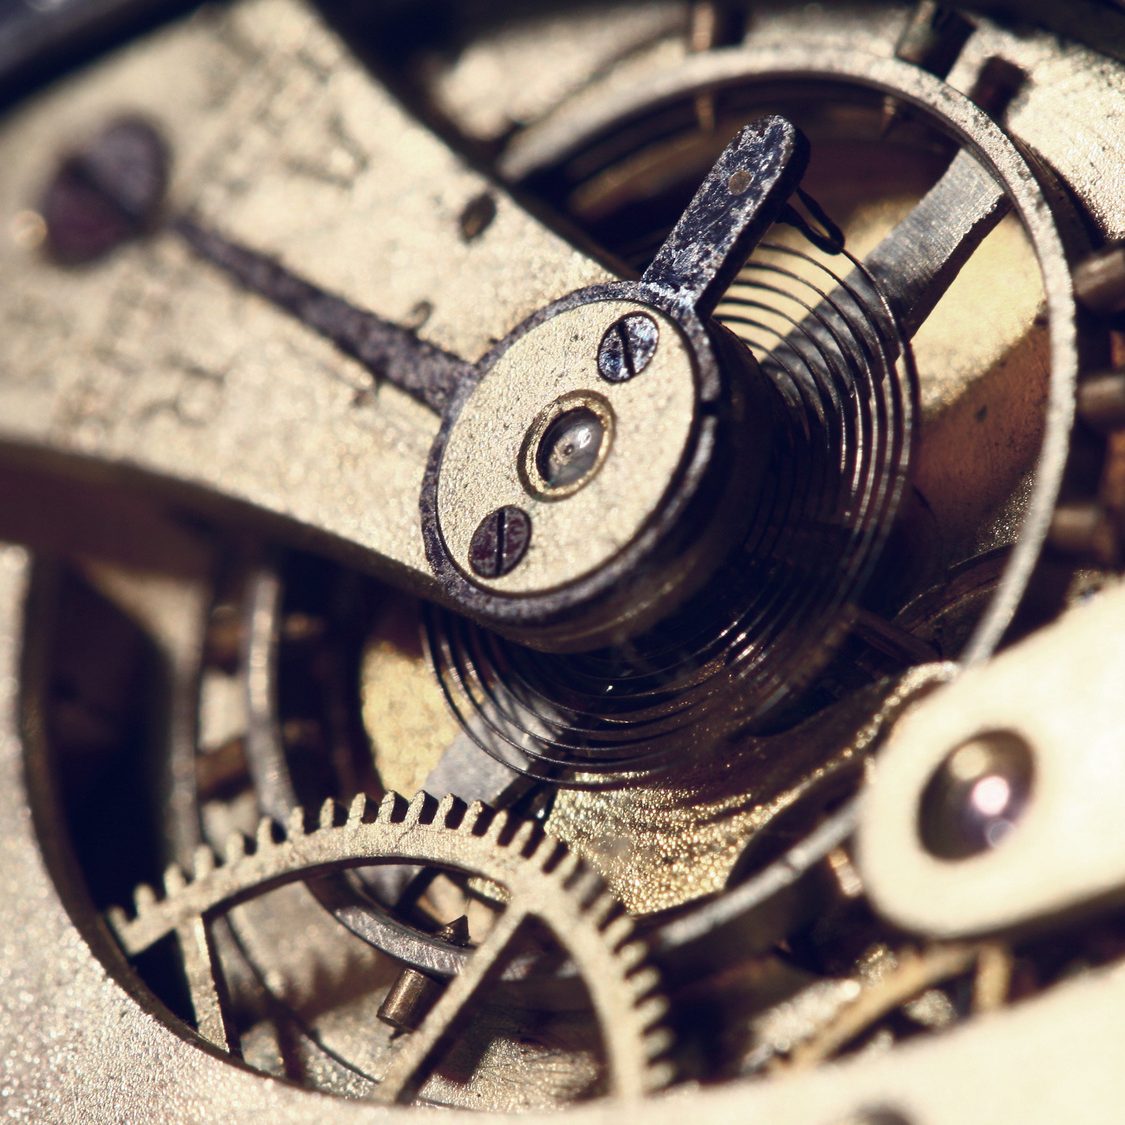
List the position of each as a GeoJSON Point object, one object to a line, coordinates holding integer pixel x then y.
{"type": "Point", "coordinates": [500, 542]}
{"type": "Point", "coordinates": [627, 347]}
{"type": "Point", "coordinates": [107, 192]}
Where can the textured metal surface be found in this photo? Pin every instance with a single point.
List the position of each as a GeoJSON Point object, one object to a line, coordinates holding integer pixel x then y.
{"type": "Point", "coordinates": [142, 393]}
{"type": "Point", "coordinates": [1065, 712]}
{"type": "Point", "coordinates": [825, 62]}
{"type": "Point", "coordinates": [654, 422]}
{"type": "Point", "coordinates": [235, 406]}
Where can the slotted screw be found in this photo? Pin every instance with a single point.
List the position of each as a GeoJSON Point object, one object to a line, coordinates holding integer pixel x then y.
{"type": "Point", "coordinates": [627, 347]}
{"type": "Point", "coordinates": [500, 542]}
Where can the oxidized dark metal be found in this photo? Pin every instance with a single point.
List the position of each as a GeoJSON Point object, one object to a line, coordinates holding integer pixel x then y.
{"type": "Point", "coordinates": [741, 196]}
{"type": "Point", "coordinates": [627, 348]}
{"type": "Point", "coordinates": [933, 37]}
{"type": "Point", "coordinates": [107, 192]}
{"type": "Point", "coordinates": [703, 252]}
{"type": "Point", "coordinates": [388, 351]}
{"type": "Point", "coordinates": [500, 542]}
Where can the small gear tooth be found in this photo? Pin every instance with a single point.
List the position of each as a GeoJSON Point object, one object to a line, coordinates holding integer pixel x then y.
{"type": "Point", "coordinates": [659, 1041]}
{"type": "Point", "coordinates": [328, 812]}
{"type": "Point", "coordinates": [202, 862]}
{"type": "Point", "coordinates": [235, 847]}
{"type": "Point", "coordinates": [174, 880]}
{"type": "Point", "coordinates": [294, 824]}
{"type": "Point", "coordinates": [497, 825]}
{"type": "Point", "coordinates": [659, 1075]}
{"type": "Point", "coordinates": [526, 838]}
{"type": "Point", "coordinates": [618, 932]}
{"type": "Point", "coordinates": [144, 897]}
{"type": "Point", "coordinates": [645, 981]}
{"type": "Point", "coordinates": [450, 811]}
{"type": "Point", "coordinates": [586, 885]}
{"type": "Point", "coordinates": [563, 864]}
{"type": "Point", "coordinates": [604, 909]}
{"type": "Point", "coordinates": [116, 919]}
{"type": "Point", "coordinates": [632, 955]}
{"type": "Point", "coordinates": [421, 809]}
{"type": "Point", "coordinates": [477, 818]}
{"type": "Point", "coordinates": [392, 808]}
{"type": "Point", "coordinates": [358, 810]}
{"type": "Point", "coordinates": [650, 1012]}
{"type": "Point", "coordinates": [559, 860]}
{"type": "Point", "coordinates": [264, 837]}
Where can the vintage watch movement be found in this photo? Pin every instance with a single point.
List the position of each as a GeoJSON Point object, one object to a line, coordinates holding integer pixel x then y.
{"type": "Point", "coordinates": [562, 559]}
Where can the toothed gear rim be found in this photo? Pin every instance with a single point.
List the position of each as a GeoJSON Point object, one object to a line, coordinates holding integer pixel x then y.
{"type": "Point", "coordinates": [545, 882]}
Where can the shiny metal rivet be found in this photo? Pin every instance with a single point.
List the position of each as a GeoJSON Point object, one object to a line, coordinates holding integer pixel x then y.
{"type": "Point", "coordinates": [500, 542]}
{"type": "Point", "coordinates": [570, 448]}
{"type": "Point", "coordinates": [627, 347]}
{"type": "Point", "coordinates": [976, 796]}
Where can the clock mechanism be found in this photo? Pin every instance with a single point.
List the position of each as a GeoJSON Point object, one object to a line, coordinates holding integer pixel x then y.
{"type": "Point", "coordinates": [558, 557]}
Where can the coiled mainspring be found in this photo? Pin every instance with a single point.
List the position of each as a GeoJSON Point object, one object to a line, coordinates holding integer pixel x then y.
{"type": "Point", "coordinates": [742, 650]}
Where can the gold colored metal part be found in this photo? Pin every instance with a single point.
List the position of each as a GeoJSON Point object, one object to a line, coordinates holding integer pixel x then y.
{"type": "Point", "coordinates": [661, 846]}
{"type": "Point", "coordinates": [908, 978]}
{"type": "Point", "coordinates": [573, 535]}
{"type": "Point", "coordinates": [1061, 853]}
{"type": "Point", "coordinates": [152, 370]}
{"type": "Point", "coordinates": [256, 408]}
{"type": "Point", "coordinates": [543, 882]}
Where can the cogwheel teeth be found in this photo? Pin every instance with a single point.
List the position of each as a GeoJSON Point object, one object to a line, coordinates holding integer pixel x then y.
{"type": "Point", "coordinates": [203, 862]}
{"type": "Point", "coordinates": [357, 810]}
{"type": "Point", "coordinates": [328, 814]}
{"type": "Point", "coordinates": [542, 878]}
{"type": "Point", "coordinates": [294, 826]}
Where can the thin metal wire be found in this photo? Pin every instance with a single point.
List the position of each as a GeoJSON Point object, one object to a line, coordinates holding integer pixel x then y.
{"type": "Point", "coordinates": [844, 374]}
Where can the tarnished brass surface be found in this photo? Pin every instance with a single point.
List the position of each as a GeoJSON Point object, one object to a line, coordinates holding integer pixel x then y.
{"type": "Point", "coordinates": [653, 417]}
{"type": "Point", "coordinates": [897, 900]}
{"type": "Point", "coordinates": [1065, 712]}
{"type": "Point", "coordinates": [253, 407]}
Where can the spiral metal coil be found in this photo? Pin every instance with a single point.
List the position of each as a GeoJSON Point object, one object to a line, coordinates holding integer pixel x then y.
{"type": "Point", "coordinates": [746, 646]}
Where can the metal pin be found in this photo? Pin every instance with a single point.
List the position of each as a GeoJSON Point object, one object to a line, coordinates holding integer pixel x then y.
{"type": "Point", "coordinates": [1085, 531]}
{"type": "Point", "coordinates": [1101, 401]}
{"type": "Point", "coordinates": [1099, 280]}
{"type": "Point", "coordinates": [414, 993]}
{"type": "Point", "coordinates": [932, 39]}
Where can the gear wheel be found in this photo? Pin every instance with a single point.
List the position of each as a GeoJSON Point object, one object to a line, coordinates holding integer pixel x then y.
{"type": "Point", "coordinates": [545, 883]}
